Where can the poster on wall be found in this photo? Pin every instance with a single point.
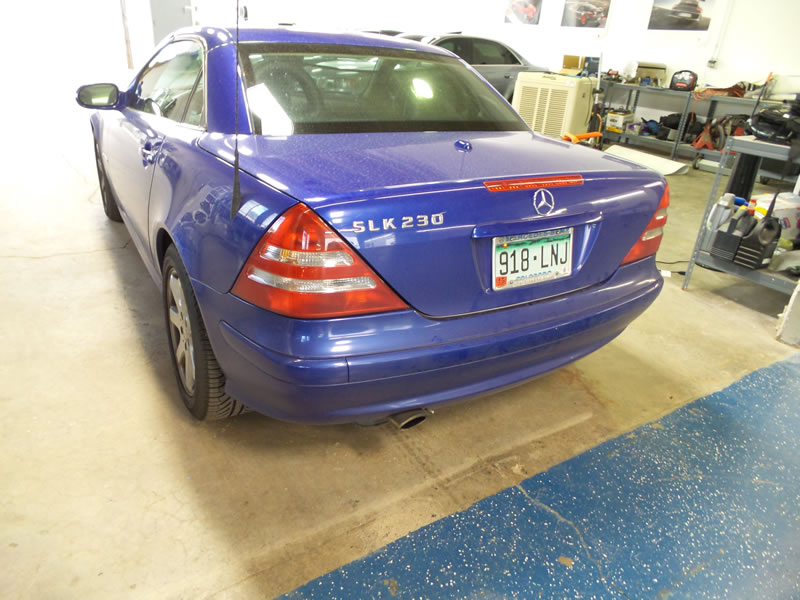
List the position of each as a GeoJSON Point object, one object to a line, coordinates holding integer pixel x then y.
{"type": "Point", "coordinates": [585, 14]}
{"type": "Point", "coordinates": [526, 12]}
{"type": "Point", "coordinates": [692, 15]}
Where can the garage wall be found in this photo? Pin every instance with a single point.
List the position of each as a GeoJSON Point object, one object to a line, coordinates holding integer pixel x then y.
{"type": "Point", "coordinates": [55, 41]}
{"type": "Point", "coordinates": [759, 38]}
{"type": "Point", "coordinates": [50, 48]}
{"type": "Point", "coordinates": [755, 43]}
{"type": "Point", "coordinates": [419, 16]}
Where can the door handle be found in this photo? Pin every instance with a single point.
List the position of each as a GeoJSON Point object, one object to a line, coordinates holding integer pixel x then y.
{"type": "Point", "coordinates": [149, 151]}
{"type": "Point", "coordinates": [507, 75]}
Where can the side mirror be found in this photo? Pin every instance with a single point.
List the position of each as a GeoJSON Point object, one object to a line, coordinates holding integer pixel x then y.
{"type": "Point", "coordinates": [98, 95]}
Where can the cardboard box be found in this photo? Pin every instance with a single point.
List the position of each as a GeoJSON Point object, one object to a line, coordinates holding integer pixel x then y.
{"type": "Point", "coordinates": [618, 121]}
{"type": "Point", "coordinates": [572, 65]}
{"type": "Point", "coordinates": [655, 72]}
{"type": "Point", "coordinates": [575, 65]}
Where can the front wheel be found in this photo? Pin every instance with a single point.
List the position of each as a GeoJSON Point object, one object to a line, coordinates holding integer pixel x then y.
{"type": "Point", "coordinates": [200, 379]}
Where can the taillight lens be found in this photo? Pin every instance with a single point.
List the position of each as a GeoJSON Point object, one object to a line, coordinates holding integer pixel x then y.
{"type": "Point", "coordinates": [302, 268]}
{"type": "Point", "coordinates": [650, 240]}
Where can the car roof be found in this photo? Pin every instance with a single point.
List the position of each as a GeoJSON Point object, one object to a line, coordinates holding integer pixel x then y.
{"type": "Point", "coordinates": [219, 36]}
{"type": "Point", "coordinates": [431, 39]}
{"type": "Point", "coordinates": [434, 39]}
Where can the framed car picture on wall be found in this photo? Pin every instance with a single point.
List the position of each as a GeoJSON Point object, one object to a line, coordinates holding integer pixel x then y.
{"type": "Point", "coordinates": [692, 15]}
{"type": "Point", "coordinates": [526, 12]}
{"type": "Point", "coordinates": [585, 14]}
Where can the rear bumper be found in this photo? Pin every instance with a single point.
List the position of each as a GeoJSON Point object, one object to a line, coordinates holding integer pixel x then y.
{"type": "Point", "coordinates": [362, 368]}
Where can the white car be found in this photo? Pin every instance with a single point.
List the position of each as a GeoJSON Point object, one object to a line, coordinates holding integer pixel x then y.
{"type": "Point", "coordinates": [498, 63]}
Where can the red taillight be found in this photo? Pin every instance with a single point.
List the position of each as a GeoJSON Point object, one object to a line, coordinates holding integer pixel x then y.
{"type": "Point", "coordinates": [650, 240]}
{"type": "Point", "coordinates": [302, 268]}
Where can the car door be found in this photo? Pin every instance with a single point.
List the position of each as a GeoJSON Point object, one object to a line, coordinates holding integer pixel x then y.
{"type": "Point", "coordinates": [181, 170]}
{"type": "Point", "coordinates": [133, 139]}
{"type": "Point", "coordinates": [497, 64]}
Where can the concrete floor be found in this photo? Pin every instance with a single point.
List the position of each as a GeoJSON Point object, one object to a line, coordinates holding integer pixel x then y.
{"type": "Point", "coordinates": [703, 503]}
{"type": "Point", "coordinates": [111, 490]}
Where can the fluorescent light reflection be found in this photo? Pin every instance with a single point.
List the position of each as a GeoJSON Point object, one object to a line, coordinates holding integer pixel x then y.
{"type": "Point", "coordinates": [274, 120]}
{"type": "Point", "coordinates": [422, 89]}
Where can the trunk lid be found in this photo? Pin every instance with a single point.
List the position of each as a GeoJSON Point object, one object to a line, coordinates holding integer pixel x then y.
{"type": "Point", "coordinates": [420, 209]}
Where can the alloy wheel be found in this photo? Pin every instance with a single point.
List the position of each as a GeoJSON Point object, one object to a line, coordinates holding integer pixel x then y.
{"type": "Point", "coordinates": [180, 331]}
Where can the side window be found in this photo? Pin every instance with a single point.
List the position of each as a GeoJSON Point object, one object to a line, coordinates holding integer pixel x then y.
{"type": "Point", "coordinates": [166, 83]}
{"type": "Point", "coordinates": [459, 46]}
{"type": "Point", "coordinates": [448, 45]}
{"type": "Point", "coordinates": [195, 112]}
{"type": "Point", "coordinates": [490, 53]}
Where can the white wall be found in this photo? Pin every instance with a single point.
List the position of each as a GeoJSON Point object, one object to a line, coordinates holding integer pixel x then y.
{"type": "Point", "coordinates": [51, 47]}
{"type": "Point", "coordinates": [761, 36]}
{"type": "Point", "coordinates": [48, 49]}
{"type": "Point", "coordinates": [83, 41]}
{"type": "Point", "coordinates": [55, 42]}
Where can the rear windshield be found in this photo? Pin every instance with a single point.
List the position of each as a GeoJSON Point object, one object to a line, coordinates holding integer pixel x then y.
{"type": "Point", "coordinates": [300, 88]}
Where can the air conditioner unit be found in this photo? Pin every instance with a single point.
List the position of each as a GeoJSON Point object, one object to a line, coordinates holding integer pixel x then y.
{"type": "Point", "coordinates": [554, 104]}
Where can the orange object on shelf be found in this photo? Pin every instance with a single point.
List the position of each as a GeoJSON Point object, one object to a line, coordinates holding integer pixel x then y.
{"type": "Point", "coordinates": [575, 138]}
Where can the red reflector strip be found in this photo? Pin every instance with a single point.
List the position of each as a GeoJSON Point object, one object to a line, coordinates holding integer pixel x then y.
{"type": "Point", "coordinates": [529, 183]}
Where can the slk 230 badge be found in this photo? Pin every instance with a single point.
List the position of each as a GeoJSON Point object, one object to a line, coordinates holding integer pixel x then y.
{"type": "Point", "coordinates": [434, 220]}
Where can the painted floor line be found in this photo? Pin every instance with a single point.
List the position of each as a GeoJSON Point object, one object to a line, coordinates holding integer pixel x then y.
{"type": "Point", "coordinates": [703, 503]}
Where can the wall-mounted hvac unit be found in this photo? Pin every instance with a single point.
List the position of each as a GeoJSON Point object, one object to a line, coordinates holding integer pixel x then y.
{"type": "Point", "coordinates": [554, 104]}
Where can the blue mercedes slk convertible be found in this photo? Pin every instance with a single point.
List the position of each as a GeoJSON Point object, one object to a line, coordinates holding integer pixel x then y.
{"type": "Point", "coordinates": [384, 234]}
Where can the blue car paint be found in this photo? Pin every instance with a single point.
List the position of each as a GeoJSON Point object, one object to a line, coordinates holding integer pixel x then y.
{"type": "Point", "coordinates": [348, 165]}
{"type": "Point", "coordinates": [418, 171]}
{"type": "Point", "coordinates": [446, 271]}
{"type": "Point", "coordinates": [356, 369]}
{"type": "Point", "coordinates": [364, 367]}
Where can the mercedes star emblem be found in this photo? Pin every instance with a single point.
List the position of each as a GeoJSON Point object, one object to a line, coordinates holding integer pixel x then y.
{"type": "Point", "coordinates": [543, 201]}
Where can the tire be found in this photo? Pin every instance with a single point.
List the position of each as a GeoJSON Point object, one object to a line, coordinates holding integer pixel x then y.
{"type": "Point", "coordinates": [200, 379]}
{"type": "Point", "coordinates": [109, 202]}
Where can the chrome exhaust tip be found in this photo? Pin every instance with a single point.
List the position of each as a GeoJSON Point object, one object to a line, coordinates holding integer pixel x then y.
{"type": "Point", "coordinates": [409, 418]}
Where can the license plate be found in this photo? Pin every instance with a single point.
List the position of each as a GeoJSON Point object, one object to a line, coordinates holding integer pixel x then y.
{"type": "Point", "coordinates": [519, 260]}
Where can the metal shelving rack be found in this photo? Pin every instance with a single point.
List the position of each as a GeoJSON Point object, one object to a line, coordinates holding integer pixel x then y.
{"type": "Point", "coordinates": [745, 145]}
{"type": "Point", "coordinates": [632, 102]}
{"type": "Point", "coordinates": [677, 146]}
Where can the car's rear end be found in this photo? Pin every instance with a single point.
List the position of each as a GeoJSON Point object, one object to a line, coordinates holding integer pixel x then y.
{"type": "Point", "coordinates": [435, 252]}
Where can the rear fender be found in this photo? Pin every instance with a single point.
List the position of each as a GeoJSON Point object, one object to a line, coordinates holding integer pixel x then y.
{"type": "Point", "coordinates": [195, 212]}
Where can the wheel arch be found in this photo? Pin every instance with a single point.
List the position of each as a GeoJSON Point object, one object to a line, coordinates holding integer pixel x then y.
{"type": "Point", "coordinates": [163, 242]}
{"type": "Point", "coordinates": [95, 122]}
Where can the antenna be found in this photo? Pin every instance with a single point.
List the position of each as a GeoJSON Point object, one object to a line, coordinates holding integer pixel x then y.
{"type": "Point", "coordinates": [236, 198]}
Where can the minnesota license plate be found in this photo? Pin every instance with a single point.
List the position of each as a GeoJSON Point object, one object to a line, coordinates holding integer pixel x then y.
{"type": "Point", "coordinates": [519, 260]}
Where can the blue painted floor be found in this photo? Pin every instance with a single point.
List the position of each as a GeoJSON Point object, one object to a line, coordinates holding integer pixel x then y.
{"type": "Point", "coordinates": [704, 503]}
